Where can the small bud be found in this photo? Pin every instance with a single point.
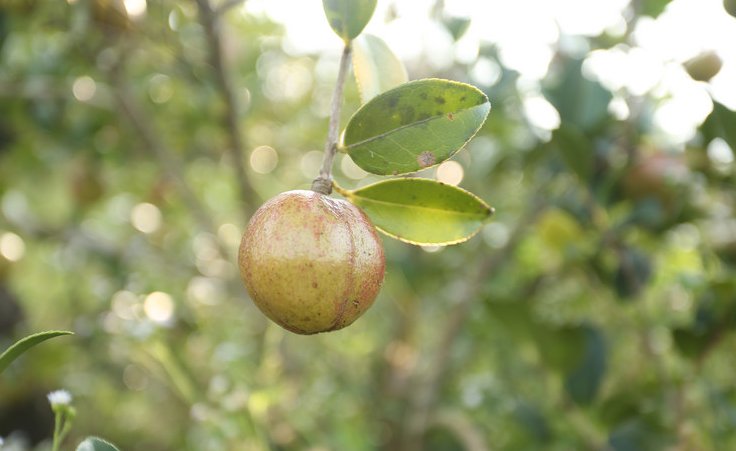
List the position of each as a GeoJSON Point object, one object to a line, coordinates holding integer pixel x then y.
{"type": "Point", "coordinates": [60, 398]}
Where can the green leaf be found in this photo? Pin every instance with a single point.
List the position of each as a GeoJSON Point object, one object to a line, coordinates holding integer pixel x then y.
{"type": "Point", "coordinates": [633, 273]}
{"type": "Point", "coordinates": [376, 67]}
{"type": "Point", "coordinates": [563, 348]}
{"type": "Point", "coordinates": [639, 434]}
{"type": "Point", "coordinates": [25, 344]}
{"type": "Point", "coordinates": [96, 444]}
{"type": "Point", "coordinates": [348, 18]}
{"type": "Point", "coordinates": [582, 383]}
{"type": "Point", "coordinates": [421, 211]}
{"type": "Point", "coordinates": [579, 100]}
{"type": "Point", "coordinates": [691, 344]}
{"type": "Point", "coordinates": [414, 126]}
{"type": "Point", "coordinates": [457, 26]}
{"type": "Point", "coordinates": [720, 123]}
{"type": "Point", "coordinates": [533, 421]}
{"type": "Point", "coordinates": [575, 149]}
{"type": "Point", "coordinates": [654, 8]}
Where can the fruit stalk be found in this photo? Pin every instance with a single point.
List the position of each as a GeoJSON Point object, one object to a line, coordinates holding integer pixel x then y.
{"type": "Point", "coordinates": [323, 183]}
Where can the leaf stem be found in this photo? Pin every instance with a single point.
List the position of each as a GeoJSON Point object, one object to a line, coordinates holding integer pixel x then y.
{"type": "Point", "coordinates": [340, 190]}
{"type": "Point", "coordinates": [210, 19]}
{"type": "Point", "coordinates": [57, 431]}
{"type": "Point", "coordinates": [323, 182]}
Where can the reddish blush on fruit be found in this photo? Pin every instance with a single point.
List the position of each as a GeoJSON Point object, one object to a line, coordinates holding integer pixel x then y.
{"type": "Point", "coordinates": [311, 263]}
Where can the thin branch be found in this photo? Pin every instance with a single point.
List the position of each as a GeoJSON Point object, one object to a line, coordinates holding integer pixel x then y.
{"type": "Point", "coordinates": [211, 22]}
{"type": "Point", "coordinates": [323, 182]}
{"type": "Point", "coordinates": [171, 165]}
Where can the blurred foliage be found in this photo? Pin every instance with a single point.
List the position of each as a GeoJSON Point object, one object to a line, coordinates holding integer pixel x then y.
{"type": "Point", "coordinates": [595, 313]}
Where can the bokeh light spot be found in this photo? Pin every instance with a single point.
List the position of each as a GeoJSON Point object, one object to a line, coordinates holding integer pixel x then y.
{"type": "Point", "coordinates": [229, 234]}
{"type": "Point", "coordinates": [351, 170]}
{"type": "Point", "coordinates": [541, 113]}
{"type": "Point", "coordinates": [123, 303]}
{"type": "Point", "coordinates": [204, 290]}
{"type": "Point", "coordinates": [450, 172]}
{"type": "Point", "coordinates": [12, 246]}
{"type": "Point", "coordinates": [135, 378]}
{"type": "Point", "coordinates": [160, 89]}
{"type": "Point", "coordinates": [84, 88]}
{"type": "Point", "coordinates": [720, 152]}
{"type": "Point", "coordinates": [310, 163]}
{"type": "Point", "coordinates": [159, 306]}
{"type": "Point", "coordinates": [496, 235]}
{"type": "Point", "coordinates": [264, 159]}
{"type": "Point", "coordinates": [146, 217]}
{"type": "Point", "coordinates": [135, 8]}
{"type": "Point", "coordinates": [485, 72]}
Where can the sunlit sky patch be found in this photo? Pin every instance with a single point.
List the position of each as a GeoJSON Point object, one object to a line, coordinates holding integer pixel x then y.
{"type": "Point", "coordinates": [527, 32]}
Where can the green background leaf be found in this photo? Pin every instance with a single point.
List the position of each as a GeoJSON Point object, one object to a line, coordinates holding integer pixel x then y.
{"type": "Point", "coordinates": [721, 123]}
{"type": "Point", "coordinates": [457, 26]}
{"type": "Point", "coordinates": [96, 444]}
{"type": "Point", "coordinates": [575, 149]}
{"type": "Point", "coordinates": [579, 100]}
{"type": "Point", "coordinates": [348, 18]}
{"type": "Point", "coordinates": [583, 382]}
{"type": "Point", "coordinates": [25, 344]}
{"type": "Point", "coordinates": [654, 8]}
{"type": "Point", "coordinates": [376, 67]}
{"type": "Point", "coordinates": [416, 125]}
{"type": "Point", "coordinates": [421, 211]}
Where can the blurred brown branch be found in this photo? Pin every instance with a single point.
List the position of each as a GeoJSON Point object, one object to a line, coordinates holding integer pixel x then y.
{"type": "Point", "coordinates": [171, 165]}
{"type": "Point", "coordinates": [226, 5]}
{"type": "Point", "coordinates": [210, 20]}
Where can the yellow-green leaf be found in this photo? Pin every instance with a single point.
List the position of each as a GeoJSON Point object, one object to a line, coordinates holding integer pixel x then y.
{"type": "Point", "coordinates": [421, 211]}
{"type": "Point", "coordinates": [348, 18]}
{"type": "Point", "coordinates": [13, 352]}
{"type": "Point", "coordinates": [96, 444]}
{"type": "Point", "coordinates": [414, 126]}
{"type": "Point", "coordinates": [376, 67]}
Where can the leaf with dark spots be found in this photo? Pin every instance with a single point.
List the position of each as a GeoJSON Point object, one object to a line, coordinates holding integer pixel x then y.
{"type": "Point", "coordinates": [426, 159]}
{"type": "Point", "coordinates": [336, 24]}
{"type": "Point", "coordinates": [393, 100]}
{"type": "Point", "coordinates": [407, 114]}
{"type": "Point", "coordinates": [389, 133]}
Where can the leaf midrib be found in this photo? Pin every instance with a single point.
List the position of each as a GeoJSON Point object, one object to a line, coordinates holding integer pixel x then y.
{"type": "Point", "coordinates": [421, 207]}
{"type": "Point", "coordinates": [413, 124]}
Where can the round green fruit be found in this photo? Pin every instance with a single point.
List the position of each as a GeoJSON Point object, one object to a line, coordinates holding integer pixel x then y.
{"type": "Point", "coordinates": [730, 7]}
{"type": "Point", "coordinates": [658, 175]}
{"type": "Point", "coordinates": [311, 263]}
{"type": "Point", "coordinates": [704, 66]}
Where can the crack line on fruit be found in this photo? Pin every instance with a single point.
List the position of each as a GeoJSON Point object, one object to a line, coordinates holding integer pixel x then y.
{"type": "Point", "coordinates": [343, 213]}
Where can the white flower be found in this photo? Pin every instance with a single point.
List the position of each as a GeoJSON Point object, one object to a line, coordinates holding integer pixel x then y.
{"type": "Point", "coordinates": [1, 442]}
{"type": "Point", "coordinates": [60, 398]}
